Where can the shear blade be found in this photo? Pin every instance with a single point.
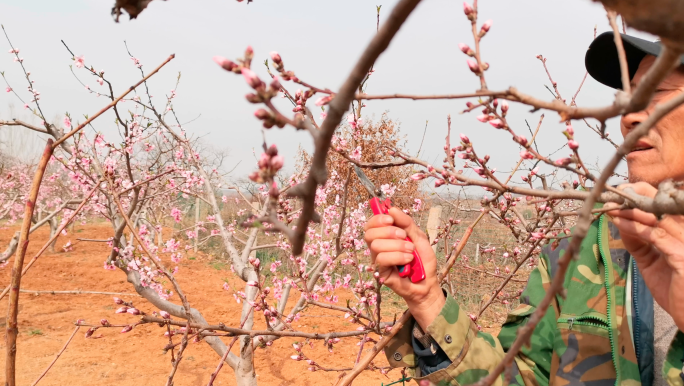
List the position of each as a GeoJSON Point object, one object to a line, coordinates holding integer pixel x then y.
{"type": "Point", "coordinates": [370, 187]}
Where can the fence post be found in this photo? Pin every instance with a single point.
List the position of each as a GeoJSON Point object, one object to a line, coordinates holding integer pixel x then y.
{"type": "Point", "coordinates": [432, 224]}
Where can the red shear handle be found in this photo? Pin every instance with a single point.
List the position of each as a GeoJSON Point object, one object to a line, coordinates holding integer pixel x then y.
{"type": "Point", "coordinates": [414, 270]}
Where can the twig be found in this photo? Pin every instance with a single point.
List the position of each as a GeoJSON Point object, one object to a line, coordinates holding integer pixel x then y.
{"type": "Point", "coordinates": [491, 274]}
{"type": "Point", "coordinates": [534, 136]}
{"type": "Point", "coordinates": [423, 139]}
{"type": "Point", "coordinates": [16, 122]}
{"type": "Point", "coordinates": [76, 292]}
{"type": "Point", "coordinates": [112, 103]}
{"type": "Point", "coordinates": [265, 246]}
{"type": "Point", "coordinates": [56, 356]}
{"type": "Point", "coordinates": [179, 357]}
{"type": "Point", "coordinates": [461, 244]}
{"type": "Point", "coordinates": [232, 331]}
{"type": "Point", "coordinates": [375, 350]}
{"type": "Point", "coordinates": [624, 69]}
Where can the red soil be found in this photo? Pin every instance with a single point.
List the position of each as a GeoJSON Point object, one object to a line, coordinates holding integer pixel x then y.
{"type": "Point", "coordinates": [46, 321]}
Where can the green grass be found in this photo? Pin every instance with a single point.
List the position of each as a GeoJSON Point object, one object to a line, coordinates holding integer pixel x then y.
{"type": "Point", "coordinates": [34, 332]}
{"type": "Point", "coordinates": [218, 265]}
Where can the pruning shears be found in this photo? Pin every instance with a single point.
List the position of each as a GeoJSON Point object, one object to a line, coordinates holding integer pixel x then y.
{"type": "Point", "coordinates": [380, 205]}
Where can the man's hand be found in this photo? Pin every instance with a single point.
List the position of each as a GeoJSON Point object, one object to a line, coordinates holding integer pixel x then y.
{"type": "Point", "coordinates": [385, 236]}
{"type": "Point", "coordinates": [658, 247]}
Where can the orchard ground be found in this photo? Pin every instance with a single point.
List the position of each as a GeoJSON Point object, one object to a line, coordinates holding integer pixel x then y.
{"type": "Point", "coordinates": [46, 321]}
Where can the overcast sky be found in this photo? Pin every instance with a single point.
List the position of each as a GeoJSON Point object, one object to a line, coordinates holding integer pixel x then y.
{"type": "Point", "coordinates": [320, 41]}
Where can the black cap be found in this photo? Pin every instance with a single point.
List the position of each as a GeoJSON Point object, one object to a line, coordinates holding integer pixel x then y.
{"type": "Point", "coordinates": [602, 61]}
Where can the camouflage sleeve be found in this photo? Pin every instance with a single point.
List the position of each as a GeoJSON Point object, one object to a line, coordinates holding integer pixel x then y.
{"type": "Point", "coordinates": [673, 370]}
{"type": "Point", "coordinates": [473, 353]}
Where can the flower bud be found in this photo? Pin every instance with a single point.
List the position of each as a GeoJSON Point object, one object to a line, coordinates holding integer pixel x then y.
{"type": "Point", "coordinates": [418, 176]}
{"type": "Point", "coordinates": [324, 101]}
{"type": "Point", "coordinates": [164, 314]}
{"type": "Point", "coordinates": [439, 182]}
{"type": "Point", "coordinates": [121, 310]}
{"type": "Point", "coordinates": [133, 311]}
{"type": "Point", "coordinates": [262, 114]}
{"type": "Point", "coordinates": [225, 63]}
{"type": "Point", "coordinates": [483, 118]}
{"type": "Point", "coordinates": [486, 26]}
{"type": "Point", "coordinates": [118, 301]}
{"type": "Point", "coordinates": [467, 8]}
{"type": "Point", "coordinates": [537, 235]}
{"type": "Point", "coordinates": [251, 78]}
{"type": "Point", "coordinates": [104, 322]}
{"type": "Point", "coordinates": [275, 57]}
{"type": "Point", "coordinates": [126, 329]}
{"type": "Point", "coordinates": [275, 83]}
{"type": "Point", "coordinates": [253, 98]}
{"type": "Point", "coordinates": [524, 154]}
{"type": "Point", "coordinates": [569, 129]}
{"type": "Point", "coordinates": [572, 144]}
{"type": "Point", "coordinates": [464, 139]}
{"type": "Point", "coordinates": [521, 140]}
{"type": "Point", "coordinates": [264, 161]}
{"type": "Point", "coordinates": [562, 161]}
{"type": "Point", "coordinates": [504, 107]}
{"type": "Point", "coordinates": [90, 332]}
{"type": "Point", "coordinates": [277, 162]}
{"type": "Point", "coordinates": [472, 65]}
{"type": "Point", "coordinates": [497, 123]}
{"type": "Point", "coordinates": [465, 49]}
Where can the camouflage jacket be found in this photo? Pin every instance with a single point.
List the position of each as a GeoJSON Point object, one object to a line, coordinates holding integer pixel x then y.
{"type": "Point", "coordinates": [588, 338]}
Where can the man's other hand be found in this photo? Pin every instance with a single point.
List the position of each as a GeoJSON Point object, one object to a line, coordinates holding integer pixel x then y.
{"type": "Point", "coordinates": [658, 247]}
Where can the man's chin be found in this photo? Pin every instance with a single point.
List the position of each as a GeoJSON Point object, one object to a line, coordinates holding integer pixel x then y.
{"type": "Point", "coordinates": [643, 176]}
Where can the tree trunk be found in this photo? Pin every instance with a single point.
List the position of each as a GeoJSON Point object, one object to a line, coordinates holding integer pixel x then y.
{"type": "Point", "coordinates": [245, 375]}
{"type": "Point", "coordinates": [53, 229]}
{"type": "Point", "coordinates": [11, 248]}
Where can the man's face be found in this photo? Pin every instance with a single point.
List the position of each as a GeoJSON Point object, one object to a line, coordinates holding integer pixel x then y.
{"type": "Point", "coordinates": [660, 154]}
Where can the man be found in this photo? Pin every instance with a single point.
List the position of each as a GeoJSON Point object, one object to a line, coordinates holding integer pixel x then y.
{"type": "Point", "coordinates": [608, 330]}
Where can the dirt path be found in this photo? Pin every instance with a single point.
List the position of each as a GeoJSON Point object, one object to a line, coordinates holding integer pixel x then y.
{"type": "Point", "coordinates": [135, 358]}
